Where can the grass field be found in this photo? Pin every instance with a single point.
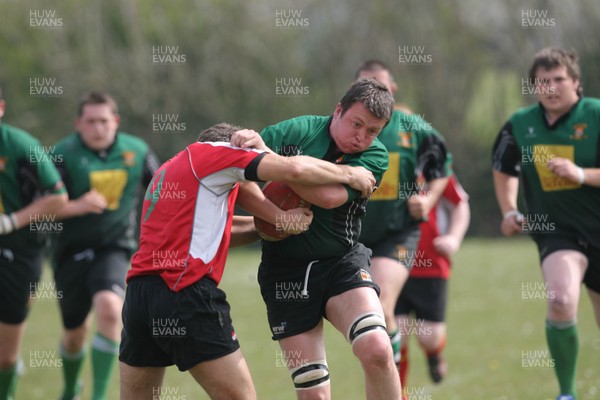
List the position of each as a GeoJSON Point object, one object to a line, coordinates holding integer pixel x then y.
{"type": "Point", "coordinates": [493, 332]}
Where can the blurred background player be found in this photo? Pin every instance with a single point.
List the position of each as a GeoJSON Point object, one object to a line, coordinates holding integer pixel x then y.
{"type": "Point", "coordinates": [554, 147]}
{"type": "Point", "coordinates": [425, 291]}
{"type": "Point", "coordinates": [30, 188]}
{"type": "Point", "coordinates": [209, 171]}
{"type": "Point", "coordinates": [417, 152]}
{"type": "Point", "coordinates": [103, 170]}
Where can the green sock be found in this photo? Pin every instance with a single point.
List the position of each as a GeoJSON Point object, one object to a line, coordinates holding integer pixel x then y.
{"type": "Point", "coordinates": [8, 382]}
{"type": "Point", "coordinates": [72, 364]}
{"type": "Point", "coordinates": [563, 343]}
{"type": "Point", "coordinates": [104, 353]}
{"type": "Point", "coordinates": [395, 339]}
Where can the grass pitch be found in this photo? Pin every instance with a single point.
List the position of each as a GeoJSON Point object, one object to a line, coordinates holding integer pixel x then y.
{"type": "Point", "coordinates": [496, 346]}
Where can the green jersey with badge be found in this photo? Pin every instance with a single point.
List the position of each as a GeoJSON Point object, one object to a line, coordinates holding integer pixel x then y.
{"type": "Point", "coordinates": [332, 231]}
{"type": "Point", "coordinates": [554, 205]}
{"type": "Point", "coordinates": [117, 174]}
{"type": "Point", "coordinates": [417, 154]}
{"type": "Point", "coordinates": [27, 172]}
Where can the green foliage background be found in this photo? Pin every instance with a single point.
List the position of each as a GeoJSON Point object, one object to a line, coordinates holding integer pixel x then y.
{"type": "Point", "coordinates": [234, 52]}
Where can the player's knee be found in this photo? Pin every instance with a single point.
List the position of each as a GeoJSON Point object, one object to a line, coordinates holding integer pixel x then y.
{"type": "Point", "coordinates": [365, 325]}
{"type": "Point", "coordinates": [561, 303]}
{"type": "Point", "coordinates": [374, 352]}
{"type": "Point", "coordinates": [310, 376]}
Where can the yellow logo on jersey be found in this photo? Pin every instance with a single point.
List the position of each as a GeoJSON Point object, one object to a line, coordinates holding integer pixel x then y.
{"type": "Point", "coordinates": [110, 184]}
{"type": "Point", "coordinates": [405, 139]}
{"type": "Point", "coordinates": [579, 132]}
{"type": "Point", "coordinates": [388, 187]}
{"type": "Point", "coordinates": [549, 181]}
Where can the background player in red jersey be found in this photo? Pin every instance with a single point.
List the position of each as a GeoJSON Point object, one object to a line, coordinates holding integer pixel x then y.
{"type": "Point", "coordinates": [173, 312]}
{"type": "Point", "coordinates": [425, 292]}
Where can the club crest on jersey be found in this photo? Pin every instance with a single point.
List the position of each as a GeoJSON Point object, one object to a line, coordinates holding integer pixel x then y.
{"type": "Point", "coordinates": [2, 164]}
{"type": "Point", "coordinates": [365, 275]}
{"type": "Point", "coordinates": [530, 133]}
{"type": "Point", "coordinates": [129, 158]}
{"type": "Point", "coordinates": [405, 139]}
{"type": "Point", "coordinates": [579, 132]}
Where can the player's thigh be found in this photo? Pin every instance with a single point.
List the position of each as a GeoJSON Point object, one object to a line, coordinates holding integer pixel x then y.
{"type": "Point", "coordinates": [303, 348]}
{"type": "Point", "coordinates": [390, 275]}
{"type": "Point", "coordinates": [563, 272]}
{"type": "Point", "coordinates": [344, 309]}
{"type": "Point", "coordinates": [140, 382]}
{"type": "Point", "coordinates": [225, 378]}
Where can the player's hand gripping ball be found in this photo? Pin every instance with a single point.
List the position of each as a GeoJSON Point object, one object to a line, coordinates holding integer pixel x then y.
{"type": "Point", "coordinates": [285, 198]}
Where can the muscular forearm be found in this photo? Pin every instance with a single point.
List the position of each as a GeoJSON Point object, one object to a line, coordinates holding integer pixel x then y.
{"type": "Point", "coordinates": [252, 199]}
{"type": "Point", "coordinates": [243, 231]}
{"type": "Point", "coordinates": [507, 189]}
{"type": "Point", "coordinates": [47, 205]}
{"type": "Point", "coordinates": [460, 216]}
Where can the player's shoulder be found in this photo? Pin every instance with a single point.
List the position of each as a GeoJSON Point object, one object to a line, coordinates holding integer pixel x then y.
{"type": "Point", "coordinates": [590, 104]}
{"type": "Point", "coordinates": [132, 142]}
{"type": "Point", "coordinates": [525, 112]}
{"type": "Point", "coordinates": [18, 138]}
{"type": "Point", "coordinates": [305, 122]}
{"type": "Point", "coordinates": [69, 143]}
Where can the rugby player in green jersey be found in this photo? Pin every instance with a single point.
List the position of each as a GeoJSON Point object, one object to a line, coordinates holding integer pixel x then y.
{"type": "Point", "coordinates": [324, 272]}
{"type": "Point", "coordinates": [30, 190]}
{"type": "Point", "coordinates": [412, 185]}
{"type": "Point", "coordinates": [104, 171]}
{"type": "Point", "coordinates": [554, 147]}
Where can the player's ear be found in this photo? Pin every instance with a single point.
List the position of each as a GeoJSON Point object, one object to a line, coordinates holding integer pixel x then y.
{"type": "Point", "coordinates": [117, 119]}
{"type": "Point", "coordinates": [2, 108]}
{"type": "Point", "coordinates": [338, 110]}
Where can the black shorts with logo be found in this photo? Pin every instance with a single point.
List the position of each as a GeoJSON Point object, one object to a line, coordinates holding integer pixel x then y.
{"type": "Point", "coordinates": [399, 246]}
{"type": "Point", "coordinates": [290, 309]}
{"type": "Point", "coordinates": [162, 327]}
{"type": "Point", "coordinates": [81, 275]}
{"type": "Point", "coordinates": [425, 297]}
{"type": "Point", "coordinates": [550, 243]}
{"type": "Point", "coordinates": [19, 273]}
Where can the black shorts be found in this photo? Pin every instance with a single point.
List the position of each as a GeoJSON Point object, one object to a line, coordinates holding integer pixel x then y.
{"type": "Point", "coordinates": [19, 274]}
{"type": "Point", "coordinates": [551, 243]}
{"type": "Point", "coordinates": [425, 297]}
{"type": "Point", "coordinates": [400, 246]}
{"type": "Point", "coordinates": [291, 311]}
{"type": "Point", "coordinates": [162, 327]}
{"type": "Point", "coordinates": [81, 275]}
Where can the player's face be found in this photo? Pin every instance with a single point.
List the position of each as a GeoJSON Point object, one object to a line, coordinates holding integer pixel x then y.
{"type": "Point", "coordinates": [556, 90]}
{"type": "Point", "coordinates": [97, 126]}
{"type": "Point", "coordinates": [354, 131]}
{"type": "Point", "coordinates": [382, 76]}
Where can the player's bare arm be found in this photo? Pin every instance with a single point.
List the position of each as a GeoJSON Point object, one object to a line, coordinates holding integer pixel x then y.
{"type": "Point", "coordinates": [507, 189]}
{"type": "Point", "coordinates": [565, 168]}
{"type": "Point", "coordinates": [252, 199]}
{"type": "Point", "coordinates": [243, 231]}
{"type": "Point", "coordinates": [420, 204]}
{"type": "Point", "coordinates": [460, 217]}
{"type": "Point", "coordinates": [46, 205]}
{"type": "Point", "coordinates": [90, 202]}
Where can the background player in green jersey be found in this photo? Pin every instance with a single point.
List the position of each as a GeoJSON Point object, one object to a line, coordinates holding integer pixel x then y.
{"type": "Point", "coordinates": [103, 170]}
{"type": "Point", "coordinates": [391, 225]}
{"type": "Point", "coordinates": [30, 188]}
{"type": "Point", "coordinates": [554, 147]}
{"type": "Point", "coordinates": [325, 272]}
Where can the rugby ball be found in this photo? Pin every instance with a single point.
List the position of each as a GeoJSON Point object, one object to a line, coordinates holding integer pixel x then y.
{"type": "Point", "coordinates": [285, 198]}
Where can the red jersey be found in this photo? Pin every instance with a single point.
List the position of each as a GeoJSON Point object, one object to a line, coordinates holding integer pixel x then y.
{"type": "Point", "coordinates": [188, 211]}
{"type": "Point", "coordinates": [428, 262]}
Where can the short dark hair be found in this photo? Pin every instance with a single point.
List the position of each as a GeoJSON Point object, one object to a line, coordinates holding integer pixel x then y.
{"type": "Point", "coordinates": [218, 133]}
{"type": "Point", "coordinates": [371, 65]}
{"type": "Point", "coordinates": [554, 57]}
{"type": "Point", "coordinates": [373, 95]}
{"type": "Point", "coordinates": [96, 97]}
